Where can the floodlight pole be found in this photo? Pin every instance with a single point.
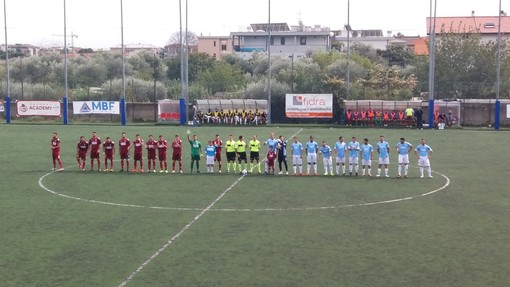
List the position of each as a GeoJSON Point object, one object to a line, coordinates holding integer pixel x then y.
{"type": "Point", "coordinates": [269, 64]}
{"type": "Point", "coordinates": [498, 74]}
{"type": "Point", "coordinates": [123, 96]}
{"type": "Point", "coordinates": [64, 99]}
{"type": "Point", "coordinates": [186, 70]}
{"type": "Point", "coordinates": [183, 100]}
{"type": "Point", "coordinates": [432, 59]}
{"type": "Point", "coordinates": [348, 74]}
{"type": "Point", "coordinates": [7, 106]}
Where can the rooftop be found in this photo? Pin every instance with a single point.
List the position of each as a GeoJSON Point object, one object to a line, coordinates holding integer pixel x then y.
{"type": "Point", "coordinates": [470, 24]}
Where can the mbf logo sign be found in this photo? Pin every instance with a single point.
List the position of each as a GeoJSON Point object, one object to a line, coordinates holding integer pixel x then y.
{"type": "Point", "coordinates": [309, 105]}
{"type": "Point", "coordinates": [96, 107]}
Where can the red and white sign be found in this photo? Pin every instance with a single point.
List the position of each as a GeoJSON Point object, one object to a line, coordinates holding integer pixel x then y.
{"type": "Point", "coordinates": [38, 108]}
{"type": "Point", "coordinates": [309, 106]}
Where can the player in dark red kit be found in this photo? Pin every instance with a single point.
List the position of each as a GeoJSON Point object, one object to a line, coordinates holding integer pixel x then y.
{"type": "Point", "coordinates": [124, 145]}
{"type": "Point", "coordinates": [95, 146]}
{"type": "Point", "coordinates": [218, 143]}
{"type": "Point", "coordinates": [151, 146]}
{"type": "Point", "coordinates": [162, 146]}
{"type": "Point", "coordinates": [82, 147]}
{"type": "Point", "coordinates": [177, 153]}
{"type": "Point", "coordinates": [109, 151]}
{"type": "Point", "coordinates": [138, 152]}
{"type": "Point", "coordinates": [55, 152]}
{"type": "Point", "coordinates": [271, 157]}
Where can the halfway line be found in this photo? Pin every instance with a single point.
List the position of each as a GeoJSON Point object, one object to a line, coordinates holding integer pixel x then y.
{"type": "Point", "coordinates": [172, 240]}
{"type": "Point", "coordinates": [186, 227]}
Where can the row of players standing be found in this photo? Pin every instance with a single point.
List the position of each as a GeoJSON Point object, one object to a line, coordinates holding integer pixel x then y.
{"type": "Point", "coordinates": [236, 151]}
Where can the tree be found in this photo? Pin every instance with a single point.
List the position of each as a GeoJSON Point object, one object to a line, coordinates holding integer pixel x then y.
{"type": "Point", "coordinates": [397, 55]}
{"type": "Point", "coordinates": [190, 37]}
{"type": "Point", "coordinates": [197, 63]}
{"type": "Point", "coordinates": [221, 78]}
{"type": "Point", "coordinates": [387, 84]}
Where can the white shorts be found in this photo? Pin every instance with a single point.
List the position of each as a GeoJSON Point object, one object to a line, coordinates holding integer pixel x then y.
{"type": "Point", "coordinates": [403, 158]}
{"type": "Point", "coordinates": [367, 162]}
{"type": "Point", "coordinates": [384, 160]}
{"type": "Point", "coordinates": [297, 160]}
{"type": "Point", "coordinates": [210, 159]}
{"type": "Point", "coordinates": [327, 161]}
{"type": "Point", "coordinates": [312, 158]}
{"type": "Point", "coordinates": [423, 161]}
{"type": "Point", "coordinates": [340, 160]}
{"type": "Point", "coordinates": [353, 160]}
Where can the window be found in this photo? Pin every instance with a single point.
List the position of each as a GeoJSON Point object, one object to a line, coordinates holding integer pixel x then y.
{"type": "Point", "coordinates": [223, 47]}
{"type": "Point", "coordinates": [214, 43]}
{"type": "Point", "coordinates": [272, 41]}
{"type": "Point", "coordinates": [302, 41]}
{"type": "Point", "coordinates": [282, 41]}
{"type": "Point", "coordinates": [489, 25]}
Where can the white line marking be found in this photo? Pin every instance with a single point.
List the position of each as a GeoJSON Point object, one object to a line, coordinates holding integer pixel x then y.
{"type": "Point", "coordinates": [172, 240]}
{"type": "Point", "coordinates": [248, 209]}
{"type": "Point", "coordinates": [347, 205]}
{"type": "Point", "coordinates": [186, 227]}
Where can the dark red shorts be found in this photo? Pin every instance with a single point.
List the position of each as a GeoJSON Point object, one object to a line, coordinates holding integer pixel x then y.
{"type": "Point", "coordinates": [217, 157]}
{"type": "Point", "coordinates": [94, 154]}
{"type": "Point", "coordinates": [82, 155]}
{"type": "Point", "coordinates": [108, 156]}
{"type": "Point", "coordinates": [176, 156]}
{"type": "Point", "coordinates": [55, 154]}
{"type": "Point", "coordinates": [138, 156]}
{"type": "Point", "coordinates": [151, 155]}
{"type": "Point", "coordinates": [162, 156]}
{"type": "Point", "coordinates": [124, 155]}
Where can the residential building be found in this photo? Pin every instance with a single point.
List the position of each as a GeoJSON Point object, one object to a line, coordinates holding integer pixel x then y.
{"type": "Point", "coordinates": [215, 46]}
{"type": "Point", "coordinates": [26, 49]}
{"type": "Point", "coordinates": [486, 26]}
{"type": "Point", "coordinates": [373, 38]}
{"type": "Point", "coordinates": [174, 50]}
{"type": "Point", "coordinates": [298, 41]}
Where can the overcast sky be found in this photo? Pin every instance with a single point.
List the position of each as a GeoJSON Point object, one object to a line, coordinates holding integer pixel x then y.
{"type": "Point", "coordinates": [97, 22]}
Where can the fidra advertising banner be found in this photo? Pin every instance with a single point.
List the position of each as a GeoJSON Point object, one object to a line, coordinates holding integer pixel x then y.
{"type": "Point", "coordinates": [38, 108]}
{"type": "Point", "coordinates": [96, 107]}
{"type": "Point", "coordinates": [309, 106]}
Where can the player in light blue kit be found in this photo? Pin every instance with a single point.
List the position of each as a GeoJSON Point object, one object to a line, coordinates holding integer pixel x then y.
{"type": "Point", "coordinates": [297, 156]}
{"type": "Point", "coordinates": [326, 152]}
{"type": "Point", "coordinates": [383, 148]}
{"type": "Point", "coordinates": [210, 152]}
{"type": "Point", "coordinates": [366, 157]}
{"type": "Point", "coordinates": [311, 155]}
{"type": "Point", "coordinates": [424, 152]}
{"type": "Point", "coordinates": [403, 149]}
{"type": "Point", "coordinates": [353, 148]}
{"type": "Point", "coordinates": [340, 148]}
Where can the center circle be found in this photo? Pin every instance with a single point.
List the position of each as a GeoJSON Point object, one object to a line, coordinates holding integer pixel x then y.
{"type": "Point", "coordinates": [237, 194]}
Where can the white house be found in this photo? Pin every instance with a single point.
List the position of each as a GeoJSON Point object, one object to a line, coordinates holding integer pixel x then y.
{"type": "Point", "coordinates": [285, 41]}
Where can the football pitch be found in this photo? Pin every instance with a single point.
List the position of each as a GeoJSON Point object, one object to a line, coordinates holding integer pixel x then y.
{"type": "Point", "coordinates": [82, 228]}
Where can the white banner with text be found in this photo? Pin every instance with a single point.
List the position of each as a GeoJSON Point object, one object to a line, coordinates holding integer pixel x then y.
{"type": "Point", "coordinates": [96, 107]}
{"type": "Point", "coordinates": [309, 106]}
{"type": "Point", "coordinates": [38, 108]}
